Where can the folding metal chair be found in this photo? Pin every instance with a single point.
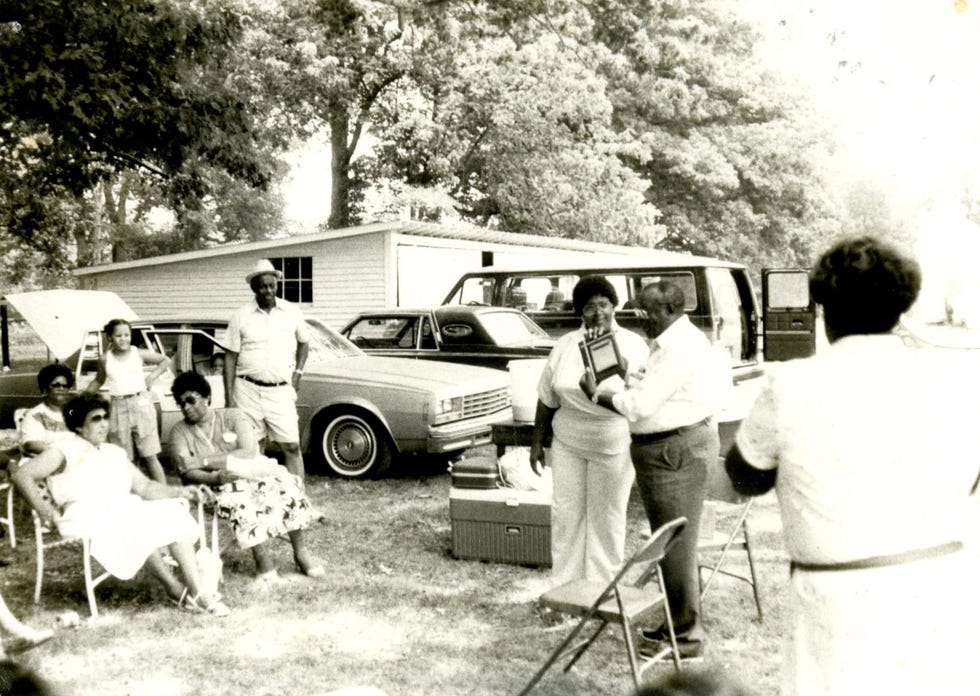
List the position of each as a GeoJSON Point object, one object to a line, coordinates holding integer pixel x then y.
{"type": "Point", "coordinates": [719, 544]}
{"type": "Point", "coordinates": [45, 539]}
{"type": "Point", "coordinates": [626, 600]}
{"type": "Point", "coordinates": [7, 520]}
{"type": "Point", "coordinates": [9, 456]}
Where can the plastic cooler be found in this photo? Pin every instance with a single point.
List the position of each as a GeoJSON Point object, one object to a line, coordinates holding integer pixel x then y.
{"type": "Point", "coordinates": [504, 525]}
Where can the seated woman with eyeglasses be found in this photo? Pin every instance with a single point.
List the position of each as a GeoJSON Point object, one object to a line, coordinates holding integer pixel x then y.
{"type": "Point", "coordinates": [128, 517]}
{"type": "Point", "coordinates": [260, 498]}
{"type": "Point", "coordinates": [44, 423]}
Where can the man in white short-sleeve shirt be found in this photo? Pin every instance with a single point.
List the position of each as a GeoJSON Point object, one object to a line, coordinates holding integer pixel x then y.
{"type": "Point", "coordinates": [266, 347]}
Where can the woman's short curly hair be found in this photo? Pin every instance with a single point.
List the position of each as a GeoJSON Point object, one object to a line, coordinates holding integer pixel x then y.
{"type": "Point", "coordinates": [864, 285]}
{"type": "Point", "coordinates": [80, 406]}
{"type": "Point", "coordinates": [588, 287]}
{"type": "Point", "coordinates": [190, 382]}
{"type": "Point", "coordinates": [49, 373]}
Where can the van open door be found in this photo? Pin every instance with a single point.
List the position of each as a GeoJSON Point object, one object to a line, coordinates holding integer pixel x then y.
{"type": "Point", "coordinates": [789, 316]}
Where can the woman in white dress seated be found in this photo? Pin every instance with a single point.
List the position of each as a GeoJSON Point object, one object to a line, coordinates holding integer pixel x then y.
{"type": "Point", "coordinates": [129, 518]}
{"type": "Point", "coordinates": [260, 498]}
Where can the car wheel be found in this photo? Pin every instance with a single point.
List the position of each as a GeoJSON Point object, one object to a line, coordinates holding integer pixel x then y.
{"type": "Point", "coordinates": [352, 444]}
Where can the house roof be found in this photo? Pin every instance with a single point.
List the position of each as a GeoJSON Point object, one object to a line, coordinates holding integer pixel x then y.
{"type": "Point", "coordinates": [452, 230]}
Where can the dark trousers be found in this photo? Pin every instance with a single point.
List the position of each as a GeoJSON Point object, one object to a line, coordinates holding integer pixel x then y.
{"type": "Point", "coordinates": [672, 475]}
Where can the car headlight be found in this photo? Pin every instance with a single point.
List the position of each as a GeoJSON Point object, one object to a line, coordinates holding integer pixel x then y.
{"type": "Point", "coordinates": [448, 410]}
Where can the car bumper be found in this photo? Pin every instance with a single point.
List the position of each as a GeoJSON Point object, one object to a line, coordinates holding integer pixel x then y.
{"type": "Point", "coordinates": [472, 432]}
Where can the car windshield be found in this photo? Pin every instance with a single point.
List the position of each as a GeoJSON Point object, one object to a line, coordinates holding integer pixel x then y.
{"type": "Point", "coordinates": [510, 328]}
{"type": "Point", "coordinates": [326, 344]}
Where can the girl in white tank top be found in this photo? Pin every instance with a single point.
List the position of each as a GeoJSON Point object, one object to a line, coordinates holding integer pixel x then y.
{"type": "Point", "coordinates": [132, 416]}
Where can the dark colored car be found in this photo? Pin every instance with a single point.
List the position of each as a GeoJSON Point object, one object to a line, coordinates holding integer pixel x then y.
{"type": "Point", "coordinates": [475, 335]}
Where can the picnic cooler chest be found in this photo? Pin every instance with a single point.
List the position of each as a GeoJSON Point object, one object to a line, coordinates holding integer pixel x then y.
{"type": "Point", "coordinates": [505, 525]}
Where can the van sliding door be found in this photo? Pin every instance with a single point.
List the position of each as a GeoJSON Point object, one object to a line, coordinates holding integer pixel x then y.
{"type": "Point", "coordinates": [788, 314]}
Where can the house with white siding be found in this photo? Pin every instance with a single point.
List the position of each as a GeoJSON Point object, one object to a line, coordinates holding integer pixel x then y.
{"type": "Point", "coordinates": [333, 274]}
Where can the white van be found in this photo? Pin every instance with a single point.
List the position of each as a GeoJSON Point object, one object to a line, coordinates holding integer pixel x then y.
{"type": "Point", "coordinates": [719, 299]}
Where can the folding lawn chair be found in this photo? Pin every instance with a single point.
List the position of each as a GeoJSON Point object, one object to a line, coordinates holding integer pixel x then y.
{"type": "Point", "coordinates": [626, 600]}
{"type": "Point", "coordinates": [717, 547]}
{"type": "Point", "coordinates": [46, 538]}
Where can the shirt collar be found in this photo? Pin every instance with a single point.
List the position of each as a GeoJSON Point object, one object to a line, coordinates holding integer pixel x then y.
{"type": "Point", "coordinates": [673, 334]}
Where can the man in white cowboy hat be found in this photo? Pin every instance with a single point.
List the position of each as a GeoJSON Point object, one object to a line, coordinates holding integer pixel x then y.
{"type": "Point", "coordinates": [266, 347]}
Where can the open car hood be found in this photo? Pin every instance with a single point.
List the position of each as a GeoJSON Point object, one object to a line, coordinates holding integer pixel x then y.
{"type": "Point", "coordinates": [62, 317]}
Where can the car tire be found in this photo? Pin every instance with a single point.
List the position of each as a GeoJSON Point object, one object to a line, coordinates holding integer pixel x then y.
{"type": "Point", "coordinates": [352, 444]}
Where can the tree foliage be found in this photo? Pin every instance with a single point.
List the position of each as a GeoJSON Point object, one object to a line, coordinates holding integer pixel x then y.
{"type": "Point", "coordinates": [95, 93]}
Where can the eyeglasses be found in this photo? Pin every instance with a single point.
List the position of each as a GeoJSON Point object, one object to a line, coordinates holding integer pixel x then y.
{"type": "Point", "coordinates": [593, 307]}
{"type": "Point", "coordinates": [190, 400]}
{"type": "Point", "coordinates": [97, 417]}
{"type": "Point", "coordinates": [59, 385]}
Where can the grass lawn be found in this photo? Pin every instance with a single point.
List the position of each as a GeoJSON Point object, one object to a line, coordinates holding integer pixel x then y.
{"type": "Point", "coordinates": [395, 611]}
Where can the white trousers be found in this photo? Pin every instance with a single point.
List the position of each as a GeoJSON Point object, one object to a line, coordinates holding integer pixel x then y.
{"type": "Point", "coordinates": [588, 512]}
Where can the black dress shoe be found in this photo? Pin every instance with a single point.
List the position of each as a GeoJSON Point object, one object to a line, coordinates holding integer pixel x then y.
{"type": "Point", "coordinates": [687, 648]}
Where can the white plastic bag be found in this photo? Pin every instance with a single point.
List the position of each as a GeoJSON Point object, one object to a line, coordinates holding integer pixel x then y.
{"type": "Point", "coordinates": [516, 472]}
{"type": "Point", "coordinates": [209, 564]}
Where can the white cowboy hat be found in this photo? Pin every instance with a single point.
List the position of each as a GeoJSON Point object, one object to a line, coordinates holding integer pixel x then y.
{"type": "Point", "coordinates": [262, 267]}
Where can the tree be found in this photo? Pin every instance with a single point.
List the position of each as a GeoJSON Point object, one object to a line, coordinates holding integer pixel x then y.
{"type": "Point", "coordinates": [97, 93]}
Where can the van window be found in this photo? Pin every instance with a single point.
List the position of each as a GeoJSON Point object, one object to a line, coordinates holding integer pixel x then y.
{"type": "Point", "coordinates": [685, 280]}
{"type": "Point", "coordinates": [727, 320]}
{"type": "Point", "coordinates": [474, 291]}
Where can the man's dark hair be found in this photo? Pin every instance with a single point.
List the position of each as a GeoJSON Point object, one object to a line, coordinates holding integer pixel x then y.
{"type": "Point", "coordinates": [48, 373]}
{"type": "Point", "coordinates": [864, 285]}
{"type": "Point", "coordinates": [588, 287]}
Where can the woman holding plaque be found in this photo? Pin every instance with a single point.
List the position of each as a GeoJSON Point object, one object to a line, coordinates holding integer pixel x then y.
{"type": "Point", "coordinates": [589, 455]}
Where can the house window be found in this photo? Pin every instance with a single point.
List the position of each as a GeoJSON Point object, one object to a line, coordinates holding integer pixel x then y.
{"type": "Point", "coordinates": [297, 278]}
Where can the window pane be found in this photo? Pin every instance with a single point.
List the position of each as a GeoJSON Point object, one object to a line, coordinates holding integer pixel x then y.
{"type": "Point", "coordinates": [277, 264]}
{"type": "Point", "coordinates": [291, 290]}
{"type": "Point", "coordinates": [291, 268]}
{"type": "Point", "coordinates": [306, 267]}
{"type": "Point", "coordinates": [306, 291]}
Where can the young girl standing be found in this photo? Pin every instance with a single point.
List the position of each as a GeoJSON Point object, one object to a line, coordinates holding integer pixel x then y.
{"type": "Point", "coordinates": [132, 417]}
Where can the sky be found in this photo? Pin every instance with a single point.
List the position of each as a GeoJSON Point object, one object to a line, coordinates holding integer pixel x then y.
{"type": "Point", "coordinates": [897, 83]}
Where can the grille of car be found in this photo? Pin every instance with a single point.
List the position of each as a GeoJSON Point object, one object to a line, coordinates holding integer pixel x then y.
{"type": "Point", "coordinates": [485, 402]}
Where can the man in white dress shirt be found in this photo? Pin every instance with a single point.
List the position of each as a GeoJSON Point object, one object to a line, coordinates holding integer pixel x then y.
{"type": "Point", "coordinates": [671, 411]}
{"type": "Point", "coordinates": [266, 347]}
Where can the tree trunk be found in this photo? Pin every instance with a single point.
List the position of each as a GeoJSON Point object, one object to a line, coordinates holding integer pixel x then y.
{"type": "Point", "coordinates": [340, 183]}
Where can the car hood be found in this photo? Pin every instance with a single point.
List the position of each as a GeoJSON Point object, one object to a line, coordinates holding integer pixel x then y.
{"type": "Point", "coordinates": [61, 317]}
{"type": "Point", "coordinates": [424, 375]}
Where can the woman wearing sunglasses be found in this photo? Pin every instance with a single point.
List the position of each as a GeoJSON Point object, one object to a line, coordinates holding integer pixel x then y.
{"type": "Point", "coordinates": [260, 498]}
{"type": "Point", "coordinates": [97, 492]}
{"type": "Point", "coordinates": [44, 423]}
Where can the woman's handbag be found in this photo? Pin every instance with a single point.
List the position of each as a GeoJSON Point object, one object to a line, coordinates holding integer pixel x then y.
{"type": "Point", "coordinates": [209, 563]}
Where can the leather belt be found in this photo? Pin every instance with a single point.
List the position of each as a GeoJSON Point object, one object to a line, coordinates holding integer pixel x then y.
{"type": "Point", "coordinates": [260, 383]}
{"type": "Point", "coordinates": [125, 396]}
{"type": "Point", "coordinates": [647, 438]}
{"type": "Point", "coordinates": [880, 561]}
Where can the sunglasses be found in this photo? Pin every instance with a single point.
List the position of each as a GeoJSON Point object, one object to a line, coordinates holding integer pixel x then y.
{"type": "Point", "coordinates": [59, 385]}
{"type": "Point", "coordinates": [190, 400]}
{"type": "Point", "coordinates": [97, 418]}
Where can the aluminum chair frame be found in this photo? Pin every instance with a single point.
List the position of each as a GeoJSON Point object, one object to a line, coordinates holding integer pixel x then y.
{"type": "Point", "coordinates": [617, 602]}
{"type": "Point", "coordinates": [721, 543]}
{"type": "Point", "coordinates": [7, 521]}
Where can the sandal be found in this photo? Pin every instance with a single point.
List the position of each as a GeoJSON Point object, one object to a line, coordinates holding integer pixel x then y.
{"type": "Point", "coordinates": [201, 605]}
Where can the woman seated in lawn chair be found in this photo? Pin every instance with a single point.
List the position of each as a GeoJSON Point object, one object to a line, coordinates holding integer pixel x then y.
{"type": "Point", "coordinates": [260, 498]}
{"type": "Point", "coordinates": [98, 493]}
{"type": "Point", "coordinates": [45, 422]}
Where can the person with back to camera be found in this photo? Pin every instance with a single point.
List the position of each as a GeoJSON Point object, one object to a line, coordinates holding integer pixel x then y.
{"type": "Point", "coordinates": [671, 411]}
{"type": "Point", "coordinates": [127, 516]}
{"type": "Point", "coordinates": [134, 418]}
{"type": "Point", "coordinates": [874, 446]}
{"type": "Point", "coordinates": [44, 423]}
{"type": "Point", "coordinates": [266, 347]}
{"type": "Point", "coordinates": [589, 455]}
{"type": "Point", "coordinates": [206, 447]}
